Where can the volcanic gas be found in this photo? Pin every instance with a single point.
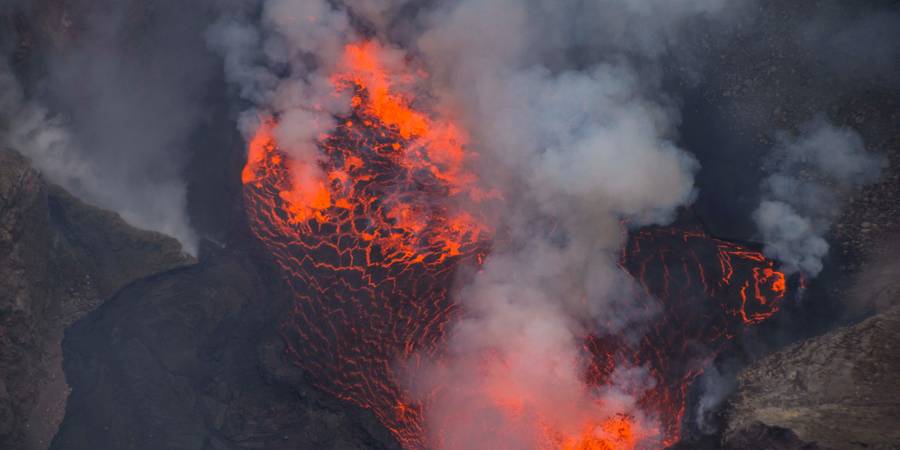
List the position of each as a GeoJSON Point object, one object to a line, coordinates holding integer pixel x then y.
{"type": "Point", "coordinates": [369, 236]}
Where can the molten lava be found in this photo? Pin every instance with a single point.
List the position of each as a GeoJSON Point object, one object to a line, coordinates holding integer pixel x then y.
{"type": "Point", "coordinates": [615, 433]}
{"type": "Point", "coordinates": [369, 239]}
{"type": "Point", "coordinates": [709, 289]}
{"type": "Point", "coordinates": [369, 234]}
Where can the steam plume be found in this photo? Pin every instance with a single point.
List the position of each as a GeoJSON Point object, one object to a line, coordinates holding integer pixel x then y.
{"type": "Point", "coordinates": [565, 110]}
{"type": "Point", "coordinates": [813, 173]}
{"type": "Point", "coordinates": [48, 142]}
{"type": "Point", "coordinates": [588, 142]}
{"type": "Point", "coordinates": [112, 117]}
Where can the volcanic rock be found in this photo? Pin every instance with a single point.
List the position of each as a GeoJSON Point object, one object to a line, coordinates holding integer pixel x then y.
{"type": "Point", "coordinates": [59, 259]}
{"type": "Point", "coordinates": [840, 390]}
{"type": "Point", "coordinates": [756, 436]}
{"type": "Point", "coordinates": [181, 356]}
{"type": "Point", "coordinates": [190, 359]}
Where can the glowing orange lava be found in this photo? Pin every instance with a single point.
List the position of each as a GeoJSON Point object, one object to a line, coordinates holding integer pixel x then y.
{"type": "Point", "coordinates": [684, 270]}
{"type": "Point", "coordinates": [369, 234]}
{"type": "Point", "coordinates": [616, 433]}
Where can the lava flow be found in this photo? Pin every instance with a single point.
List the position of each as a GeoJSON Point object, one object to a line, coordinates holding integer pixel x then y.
{"type": "Point", "coordinates": [368, 239]}
{"type": "Point", "coordinates": [369, 235]}
{"type": "Point", "coordinates": [709, 290]}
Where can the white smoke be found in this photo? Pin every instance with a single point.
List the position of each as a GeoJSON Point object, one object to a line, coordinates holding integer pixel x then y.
{"type": "Point", "coordinates": [563, 103]}
{"type": "Point", "coordinates": [281, 66]}
{"type": "Point", "coordinates": [813, 171]}
{"type": "Point", "coordinates": [112, 106]}
{"type": "Point", "coordinates": [716, 385]}
{"type": "Point", "coordinates": [587, 140]}
{"type": "Point", "coordinates": [47, 140]}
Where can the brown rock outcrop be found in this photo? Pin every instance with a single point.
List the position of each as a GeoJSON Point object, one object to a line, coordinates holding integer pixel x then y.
{"type": "Point", "coordinates": [840, 390]}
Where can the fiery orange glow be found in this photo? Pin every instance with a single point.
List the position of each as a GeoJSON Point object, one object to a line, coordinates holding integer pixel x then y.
{"type": "Point", "coordinates": [615, 433]}
{"type": "Point", "coordinates": [424, 150]}
{"type": "Point", "coordinates": [685, 269]}
{"type": "Point", "coordinates": [369, 234]}
{"type": "Point", "coordinates": [260, 151]}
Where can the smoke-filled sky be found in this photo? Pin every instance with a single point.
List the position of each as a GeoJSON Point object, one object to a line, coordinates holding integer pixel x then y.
{"type": "Point", "coordinates": [569, 104]}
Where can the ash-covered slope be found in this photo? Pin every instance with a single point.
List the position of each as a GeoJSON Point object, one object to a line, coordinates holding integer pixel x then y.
{"type": "Point", "coordinates": [59, 259]}
{"type": "Point", "coordinates": [840, 390]}
{"type": "Point", "coordinates": [189, 359]}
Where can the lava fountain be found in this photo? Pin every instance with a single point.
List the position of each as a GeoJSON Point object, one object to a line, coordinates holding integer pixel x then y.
{"type": "Point", "coordinates": [369, 236]}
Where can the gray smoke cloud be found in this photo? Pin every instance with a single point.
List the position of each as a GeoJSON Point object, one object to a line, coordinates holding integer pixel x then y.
{"type": "Point", "coordinates": [111, 118]}
{"type": "Point", "coordinates": [281, 65]}
{"type": "Point", "coordinates": [564, 107]}
{"type": "Point", "coordinates": [48, 141]}
{"type": "Point", "coordinates": [812, 172]}
{"type": "Point", "coordinates": [563, 98]}
{"type": "Point", "coordinates": [716, 384]}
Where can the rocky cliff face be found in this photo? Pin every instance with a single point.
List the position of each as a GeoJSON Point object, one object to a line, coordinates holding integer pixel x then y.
{"type": "Point", "coordinates": [840, 390]}
{"type": "Point", "coordinates": [59, 259]}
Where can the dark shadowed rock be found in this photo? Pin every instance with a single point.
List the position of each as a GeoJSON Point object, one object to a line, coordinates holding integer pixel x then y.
{"type": "Point", "coordinates": [59, 259]}
{"type": "Point", "coordinates": [191, 359]}
{"type": "Point", "coordinates": [760, 436]}
{"type": "Point", "coordinates": [756, 436]}
{"type": "Point", "coordinates": [840, 390]}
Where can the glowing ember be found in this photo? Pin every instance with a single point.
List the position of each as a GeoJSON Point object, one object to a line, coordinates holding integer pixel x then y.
{"type": "Point", "coordinates": [368, 239]}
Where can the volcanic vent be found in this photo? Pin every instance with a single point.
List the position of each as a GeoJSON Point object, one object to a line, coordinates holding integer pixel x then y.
{"type": "Point", "coordinates": [370, 235]}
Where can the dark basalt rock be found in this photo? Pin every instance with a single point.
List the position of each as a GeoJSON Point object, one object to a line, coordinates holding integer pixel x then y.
{"type": "Point", "coordinates": [190, 359]}
{"type": "Point", "coordinates": [840, 390]}
{"type": "Point", "coordinates": [760, 436]}
{"type": "Point", "coordinates": [59, 259]}
{"type": "Point", "coordinates": [756, 436]}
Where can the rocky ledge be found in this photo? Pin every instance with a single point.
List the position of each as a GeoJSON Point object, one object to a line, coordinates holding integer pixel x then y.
{"type": "Point", "coordinates": [838, 391]}
{"type": "Point", "coordinates": [59, 259]}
